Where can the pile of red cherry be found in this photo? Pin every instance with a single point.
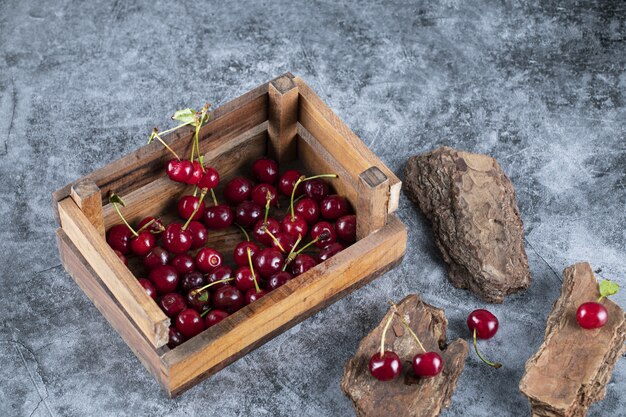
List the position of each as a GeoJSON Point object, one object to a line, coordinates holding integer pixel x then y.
{"type": "Point", "coordinates": [191, 282]}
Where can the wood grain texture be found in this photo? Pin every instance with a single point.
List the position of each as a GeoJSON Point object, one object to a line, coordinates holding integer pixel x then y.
{"type": "Point", "coordinates": [373, 192]}
{"type": "Point", "coordinates": [283, 117]}
{"type": "Point", "coordinates": [119, 280]}
{"type": "Point", "coordinates": [86, 194]}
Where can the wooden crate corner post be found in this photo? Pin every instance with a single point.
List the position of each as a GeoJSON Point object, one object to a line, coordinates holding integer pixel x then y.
{"type": "Point", "coordinates": [373, 201]}
{"type": "Point", "coordinates": [86, 194]}
{"type": "Point", "coordinates": [283, 117]}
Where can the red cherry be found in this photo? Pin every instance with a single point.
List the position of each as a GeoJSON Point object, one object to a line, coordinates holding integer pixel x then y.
{"type": "Point", "coordinates": [175, 338]}
{"type": "Point", "coordinates": [260, 192]}
{"type": "Point", "coordinates": [316, 189]}
{"type": "Point", "coordinates": [427, 364]}
{"type": "Point", "coordinates": [172, 304]}
{"type": "Point", "coordinates": [218, 217]}
{"type": "Point", "coordinates": [147, 285]}
{"type": "Point", "coordinates": [186, 206]}
{"type": "Point", "coordinates": [157, 256]}
{"type": "Point", "coordinates": [218, 274]}
{"type": "Point", "coordinates": [485, 323]}
{"type": "Point", "coordinates": [214, 316]}
{"type": "Point", "coordinates": [247, 213]}
{"type": "Point", "coordinates": [308, 209]}
{"type": "Point", "coordinates": [323, 227]}
{"type": "Point", "coordinates": [175, 239]}
{"type": "Point", "coordinates": [278, 280]}
{"type": "Point", "coordinates": [142, 244]}
{"type": "Point", "coordinates": [385, 368]}
{"type": "Point", "coordinates": [334, 206]}
{"type": "Point", "coordinates": [179, 171]}
{"type": "Point", "coordinates": [288, 181]}
{"type": "Point", "coordinates": [118, 238]}
{"type": "Point", "coordinates": [121, 256]}
{"type": "Point", "coordinates": [252, 295]}
{"type": "Point", "coordinates": [329, 251]}
{"type": "Point", "coordinates": [244, 279]}
{"type": "Point", "coordinates": [183, 264]}
{"type": "Point", "coordinates": [192, 280]}
{"type": "Point", "coordinates": [164, 278]}
{"type": "Point", "coordinates": [198, 234]}
{"type": "Point", "coordinates": [265, 170]}
{"type": "Point", "coordinates": [268, 261]}
{"type": "Point", "coordinates": [346, 228]}
{"type": "Point", "coordinates": [189, 323]}
{"type": "Point", "coordinates": [209, 179]}
{"type": "Point", "coordinates": [196, 174]}
{"type": "Point", "coordinates": [592, 315]}
{"type": "Point", "coordinates": [237, 190]}
{"type": "Point", "coordinates": [240, 254]}
{"type": "Point", "coordinates": [302, 263]}
{"type": "Point", "coordinates": [260, 227]}
{"type": "Point", "coordinates": [228, 298]}
{"type": "Point", "coordinates": [284, 242]}
{"type": "Point", "coordinates": [295, 226]}
{"type": "Point", "coordinates": [207, 259]}
{"type": "Point", "coordinates": [198, 300]}
{"type": "Point", "coordinates": [155, 227]}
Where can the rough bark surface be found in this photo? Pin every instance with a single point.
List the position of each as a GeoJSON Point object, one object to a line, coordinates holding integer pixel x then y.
{"type": "Point", "coordinates": [570, 370]}
{"type": "Point", "coordinates": [472, 207]}
{"type": "Point", "coordinates": [408, 395]}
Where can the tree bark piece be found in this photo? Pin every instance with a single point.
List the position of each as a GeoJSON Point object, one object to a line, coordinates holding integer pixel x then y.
{"type": "Point", "coordinates": [471, 204]}
{"type": "Point", "coordinates": [407, 395]}
{"type": "Point", "coordinates": [570, 370]}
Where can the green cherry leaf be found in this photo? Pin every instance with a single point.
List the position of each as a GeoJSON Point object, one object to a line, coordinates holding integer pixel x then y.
{"type": "Point", "coordinates": [608, 288]}
{"type": "Point", "coordinates": [185, 115]}
{"type": "Point", "coordinates": [204, 297]}
{"type": "Point", "coordinates": [116, 199]}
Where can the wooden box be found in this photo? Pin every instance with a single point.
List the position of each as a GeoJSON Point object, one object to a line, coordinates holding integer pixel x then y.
{"type": "Point", "coordinates": [283, 118]}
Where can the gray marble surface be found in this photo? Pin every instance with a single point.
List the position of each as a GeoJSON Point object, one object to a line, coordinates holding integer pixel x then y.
{"type": "Point", "coordinates": [537, 84]}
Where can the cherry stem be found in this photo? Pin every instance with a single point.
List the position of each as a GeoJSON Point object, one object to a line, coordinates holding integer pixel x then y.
{"type": "Point", "coordinates": [382, 339]}
{"type": "Point", "coordinates": [406, 326]}
{"type": "Point", "coordinates": [199, 119]}
{"type": "Point", "coordinates": [114, 199]}
{"type": "Point", "coordinates": [195, 190]}
{"type": "Point", "coordinates": [274, 239]}
{"type": "Point", "coordinates": [145, 226]}
{"type": "Point", "coordinates": [256, 284]}
{"type": "Point", "coordinates": [165, 132]}
{"type": "Point", "coordinates": [155, 134]}
{"type": "Point", "coordinates": [301, 180]}
{"type": "Point", "coordinates": [323, 235]}
{"type": "Point", "coordinates": [243, 231]}
{"type": "Point", "coordinates": [213, 197]}
{"type": "Point", "coordinates": [202, 195]}
{"type": "Point", "coordinates": [290, 257]}
{"type": "Point", "coordinates": [495, 365]}
{"type": "Point", "coordinates": [205, 312]}
{"type": "Point", "coordinates": [268, 198]}
{"type": "Point", "coordinates": [199, 290]}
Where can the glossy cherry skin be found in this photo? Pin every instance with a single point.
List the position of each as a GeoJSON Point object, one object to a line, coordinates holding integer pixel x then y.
{"type": "Point", "coordinates": [196, 173]}
{"type": "Point", "coordinates": [121, 256]}
{"type": "Point", "coordinates": [155, 227]}
{"type": "Point", "coordinates": [284, 242]}
{"type": "Point", "coordinates": [316, 189]}
{"type": "Point", "coordinates": [197, 300]}
{"type": "Point", "coordinates": [218, 274]}
{"type": "Point", "coordinates": [118, 238]}
{"type": "Point", "coordinates": [228, 298]}
{"type": "Point", "coordinates": [198, 234]}
{"type": "Point", "coordinates": [260, 192]}
{"type": "Point", "coordinates": [175, 338]}
{"type": "Point", "coordinates": [244, 279]}
{"type": "Point", "coordinates": [323, 227]}
{"type": "Point", "coordinates": [485, 323]}
{"type": "Point", "coordinates": [278, 280]}
{"type": "Point", "coordinates": [592, 315]}
{"type": "Point", "coordinates": [157, 256]}
{"type": "Point", "coordinates": [334, 206]}
{"type": "Point", "coordinates": [346, 228]}
{"type": "Point", "coordinates": [147, 285]}
{"type": "Point", "coordinates": [218, 217]}
{"type": "Point", "coordinates": [207, 259]}
{"type": "Point", "coordinates": [385, 368]}
{"type": "Point", "coordinates": [164, 278]}
{"type": "Point", "coordinates": [308, 209]}
{"type": "Point", "coordinates": [183, 263]}
{"type": "Point", "coordinates": [192, 280]}
{"type": "Point", "coordinates": [427, 364]}
{"type": "Point", "coordinates": [259, 230]}
{"type": "Point", "coordinates": [175, 239]}
{"type": "Point", "coordinates": [142, 244]}
{"type": "Point", "coordinates": [237, 190]}
{"type": "Point", "coordinates": [302, 263]}
{"type": "Point", "coordinates": [172, 304]}
{"type": "Point", "coordinates": [240, 253]}
{"type": "Point", "coordinates": [329, 251]}
{"type": "Point", "coordinates": [247, 213]}
{"type": "Point", "coordinates": [179, 171]}
{"type": "Point", "coordinates": [187, 204]}
{"type": "Point", "coordinates": [268, 261]}
{"type": "Point", "coordinates": [189, 323]}
{"type": "Point", "coordinates": [209, 179]}
{"type": "Point", "coordinates": [214, 316]}
{"type": "Point", "coordinates": [265, 170]}
{"type": "Point", "coordinates": [295, 226]}
{"type": "Point", "coordinates": [252, 295]}
{"type": "Point", "coordinates": [287, 182]}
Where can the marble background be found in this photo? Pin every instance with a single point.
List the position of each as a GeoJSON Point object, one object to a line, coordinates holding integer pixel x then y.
{"type": "Point", "coordinates": [537, 84]}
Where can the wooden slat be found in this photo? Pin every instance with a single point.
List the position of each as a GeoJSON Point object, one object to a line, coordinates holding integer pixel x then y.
{"type": "Point", "coordinates": [254, 324]}
{"type": "Point", "coordinates": [283, 117]}
{"type": "Point", "coordinates": [119, 280]}
{"type": "Point", "coordinates": [86, 195]}
{"type": "Point", "coordinates": [373, 191]}
{"type": "Point", "coordinates": [340, 141]}
{"type": "Point", "coordinates": [87, 279]}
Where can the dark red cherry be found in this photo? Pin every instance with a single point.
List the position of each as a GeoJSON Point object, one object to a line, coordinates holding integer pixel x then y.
{"type": "Point", "coordinates": [260, 192]}
{"type": "Point", "coordinates": [218, 217]}
{"type": "Point", "coordinates": [284, 242]}
{"type": "Point", "coordinates": [240, 254]}
{"type": "Point", "coordinates": [198, 300]}
{"type": "Point", "coordinates": [176, 338]}
{"type": "Point", "coordinates": [157, 256]}
{"type": "Point", "coordinates": [385, 368]}
{"type": "Point", "coordinates": [247, 213]}
{"type": "Point", "coordinates": [592, 315]}
{"type": "Point", "coordinates": [228, 298]}
{"type": "Point", "coordinates": [198, 234]}
{"type": "Point", "coordinates": [278, 280]}
{"type": "Point", "coordinates": [164, 278]}
{"type": "Point", "coordinates": [259, 230]}
{"type": "Point", "coordinates": [147, 285]}
{"type": "Point", "coordinates": [329, 251]}
{"type": "Point", "coordinates": [316, 189]}
{"type": "Point", "coordinates": [320, 228]}
{"type": "Point", "coordinates": [175, 239]}
{"type": "Point", "coordinates": [295, 226]}
{"type": "Point", "coordinates": [334, 206]}
{"type": "Point", "coordinates": [192, 280]}
{"type": "Point", "coordinates": [268, 261]}
{"type": "Point", "coordinates": [218, 274]}
{"type": "Point", "coordinates": [301, 264]}
{"type": "Point", "coordinates": [307, 209]}
{"type": "Point", "coordinates": [196, 174]}
{"type": "Point", "coordinates": [252, 295]}
{"type": "Point", "coordinates": [121, 256]}
{"type": "Point", "coordinates": [427, 365]}
{"type": "Point", "coordinates": [209, 179]}
{"type": "Point", "coordinates": [187, 204]}
{"type": "Point", "coordinates": [183, 263]}
{"type": "Point", "coordinates": [172, 304]}
{"type": "Point", "coordinates": [244, 279]}
{"type": "Point", "coordinates": [118, 238]}
{"type": "Point", "coordinates": [142, 244]}
{"type": "Point", "coordinates": [155, 227]}
{"type": "Point", "coordinates": [346, 228]}
{"type": "Point", "coordinates": [288, 181]}
{"type": "Point", "coordinates": [265, 170]}
{"type": "Point", "coordinates": [214, 316]}
{"type": "Point", "coordinates": [189, 323]}
{"type": "Point", "coordinates": [237, 190]}
{"type": "Point", "coordinates": [207, 259]}
{"type": "Point", "coordinates": [485, 323]}
{"type": "Point", "coordinates": [179, 171]}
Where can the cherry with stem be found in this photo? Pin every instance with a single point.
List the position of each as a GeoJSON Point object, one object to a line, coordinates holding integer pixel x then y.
{"type": "Point", "coordinates": [301, 180]}
{"type": "Point", "coordinates": [385, 365]}
{"type": "Point", "coordinates": [292, 255]}
{"type": "Point", "coordinates": [484, 325]}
